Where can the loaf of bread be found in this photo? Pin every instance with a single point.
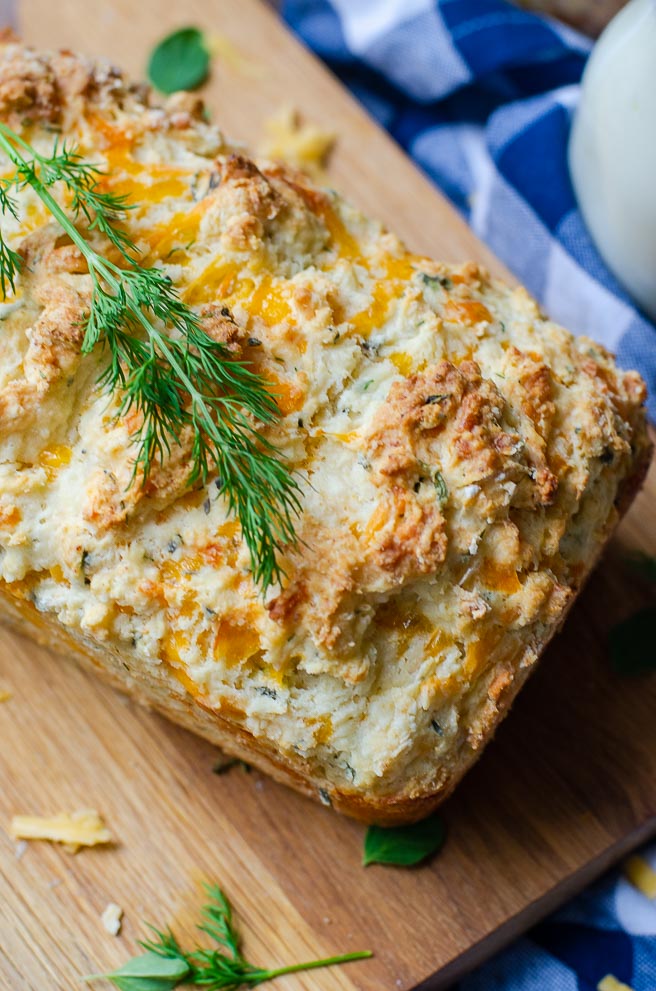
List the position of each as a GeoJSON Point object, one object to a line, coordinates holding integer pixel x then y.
{"type": "Point", "coordinates": [462, 462]}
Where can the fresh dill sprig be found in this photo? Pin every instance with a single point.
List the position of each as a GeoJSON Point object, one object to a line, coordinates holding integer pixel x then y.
{"type": "Point", "coordinates": [160, 360]}
{"type": "Point", "coordinates": [10, 261]}
{"type": "Point", "coordinates": [165, 965]}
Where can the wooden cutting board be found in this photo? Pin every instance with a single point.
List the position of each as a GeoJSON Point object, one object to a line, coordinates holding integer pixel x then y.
{"type": "Point", "coordinates": [567, 788]}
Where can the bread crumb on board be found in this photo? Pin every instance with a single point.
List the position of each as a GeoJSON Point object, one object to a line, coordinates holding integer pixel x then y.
{"type": "Point", "coordinates": [4, 695]}
{"type": "Point", "coordinates": [641, 875]}
{"type": "Point", "coordinates": [73, 829]}
{"type": "Point", "coordinates": [112, 918]}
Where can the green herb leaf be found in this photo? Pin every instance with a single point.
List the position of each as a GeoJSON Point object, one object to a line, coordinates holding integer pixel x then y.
{"type": "Point", "coordinates": [433, 281]}
{"type": "Point", "coordinates": [179, 61]}
{"type": "Point", "coordinates": [632, 643]}
{"type": "Point", "coordinates": [441, 488]}
{"type": "Point", "coordinates": [404, 845]}
{"type": "Point", "coordinates": [148, 972]}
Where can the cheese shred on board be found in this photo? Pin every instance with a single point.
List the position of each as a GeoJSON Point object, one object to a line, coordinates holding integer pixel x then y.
{"type": "Point", "coordinates": [610, 983]}
{"type": "Point", "coordinates": [73, 829]}
{"type": "Point", "coordinates": [297, 142]}
{"type": "Point", "coordinates": [641, 875]}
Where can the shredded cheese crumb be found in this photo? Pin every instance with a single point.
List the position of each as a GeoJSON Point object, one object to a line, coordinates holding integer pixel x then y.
{"type": "Point", "coordinates": [299, 143]}
{"type": "Point", "coordinates": [4, 696]}
{"type": "Point", "coordinates": [73, 829]}
{"type": "Point", "coordinates": [610, 983]}
{"type": "Point", "coordinates": [641, 875]}
{"type": "Point", "coordinates": [112, 918]}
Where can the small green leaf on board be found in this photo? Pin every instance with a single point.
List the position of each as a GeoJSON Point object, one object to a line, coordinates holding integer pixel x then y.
{"type": "Point", "coordinates": [180, 61]}
{"type": "Point", "coordinates": [404, 846]}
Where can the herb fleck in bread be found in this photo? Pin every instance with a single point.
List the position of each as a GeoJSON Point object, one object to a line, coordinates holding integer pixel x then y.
{"type": "Point", "coordinates": [463, 461]}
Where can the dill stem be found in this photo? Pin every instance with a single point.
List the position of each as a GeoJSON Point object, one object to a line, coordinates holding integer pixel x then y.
{"type": "Point", "coordinates": [45, 197]}
{"type": "Point", "coordinates": [315, 964]}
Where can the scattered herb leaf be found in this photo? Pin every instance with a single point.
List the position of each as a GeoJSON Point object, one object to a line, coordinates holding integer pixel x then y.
{"type": "Point", "coordinates": [165, 965]}
{"type": "Point", "coordinates": [632, 644]}
{"type": "Point", "coordinates": [404, 846]}
{"type": "Point", "coordinates": [179, 61]}
{"type": "Point", "coordinates": [148, 972]}
{"type": "Point", "coordinates": [436, 280]}
{"type": "Point", "coordinates": [441, 488]}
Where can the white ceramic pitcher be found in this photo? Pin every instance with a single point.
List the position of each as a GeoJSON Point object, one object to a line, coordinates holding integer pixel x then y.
{"type": "Point", "coordinates": [612, 152]}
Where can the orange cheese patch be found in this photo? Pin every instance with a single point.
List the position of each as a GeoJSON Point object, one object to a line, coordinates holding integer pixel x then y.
{"type": "Point", "coordinates": [403, 619]}
{"type": "Point", "coordinates": [466, 311]}
{"type": "Point", "coordinates": [168, 240]}
{"type": "Point", "coordinates": [218, 280]}
{"type": "Point", "coordinates": [401, 268]}
{"type": "Point", "coordinates": [234, 643]}
{"type": "Point", "coordinates": [173, 572]}
{"type": "Point", "coordinates": [500, 577]}
{"type": "Point", "coordinates": [479, 653]}
{"type": "Point", "coordinates": [402, 361]}
{"type": "Point", "coordinates": [344, 243]}
{"type": "Point", "coordinates": [10, 515]}
{"type": "Point", "coordinates": [268, 302]}
{"type": "Point", "coordinates": [288, 395]}
{"type": "Point", "coordinates": [54, 458]}
{"type": "Point", "coordinates": [375, 314]}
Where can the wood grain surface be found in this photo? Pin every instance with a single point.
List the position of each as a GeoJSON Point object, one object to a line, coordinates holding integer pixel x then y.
{"type": "Point", "coordinates": [566, 788]}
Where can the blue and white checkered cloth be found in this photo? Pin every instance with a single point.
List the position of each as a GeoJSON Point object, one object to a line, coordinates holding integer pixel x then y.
{"type": "Point", "coordinates": [481, 94]}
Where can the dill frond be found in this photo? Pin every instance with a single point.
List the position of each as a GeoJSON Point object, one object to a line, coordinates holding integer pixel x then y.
{"type": "Point", "coordinates": [160, 361]}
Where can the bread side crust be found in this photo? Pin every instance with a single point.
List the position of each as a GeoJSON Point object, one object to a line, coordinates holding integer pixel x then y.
{"type": "Point", "coordinates": [160, 690]}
